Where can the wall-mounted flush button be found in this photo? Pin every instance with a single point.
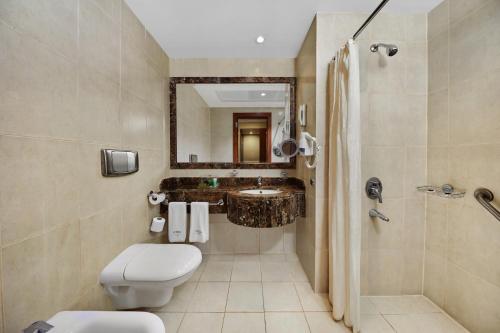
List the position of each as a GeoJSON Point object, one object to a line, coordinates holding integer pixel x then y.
{"type": "Point", "coordinates": [118, 162]}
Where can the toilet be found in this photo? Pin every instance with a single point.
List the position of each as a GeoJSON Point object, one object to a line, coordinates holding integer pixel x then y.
{"type": "Point", "coordinates": [145, 275]}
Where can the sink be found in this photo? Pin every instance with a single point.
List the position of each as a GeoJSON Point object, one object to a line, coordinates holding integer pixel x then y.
{"type": "Point", "coordinates": [106, 322]}
{"type": "Point", "coordinates": [260, 192]}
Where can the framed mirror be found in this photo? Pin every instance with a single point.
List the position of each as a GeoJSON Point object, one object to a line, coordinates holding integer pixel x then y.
{"type": "Point", "coordinates": [231, 122]}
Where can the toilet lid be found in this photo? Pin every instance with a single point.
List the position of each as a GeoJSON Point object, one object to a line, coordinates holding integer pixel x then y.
{"type": "Point", "coordinates": [162, 262]}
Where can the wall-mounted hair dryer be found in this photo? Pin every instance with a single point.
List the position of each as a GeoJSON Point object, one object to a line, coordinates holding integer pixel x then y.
{"type": "Point", "coordinates": [308, 146]}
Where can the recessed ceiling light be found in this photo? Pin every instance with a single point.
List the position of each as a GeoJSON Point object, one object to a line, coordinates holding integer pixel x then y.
{"type": "Point", "coordinates": [263, 94]}
{"type": "Point", "coordinates": [260, 39]}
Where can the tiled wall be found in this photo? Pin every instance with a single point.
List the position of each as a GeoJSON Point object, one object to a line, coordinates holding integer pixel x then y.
{"type": "Point", "coordinates": [193, 125]}
{"type": "Point", "coordinates": [393, 102]}
{"type": "Point", "coordinates": [76, 76]}
{"type": "Point", "coordinates": [305, 66]}
{"type": "Point", "coordinates": [462, 270]}
{"type": "Point", "coordinates": [229, 238]}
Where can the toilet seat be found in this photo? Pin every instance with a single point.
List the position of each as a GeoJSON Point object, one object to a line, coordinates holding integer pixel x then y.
{"type": "Point", "coordinates": [151, 263]}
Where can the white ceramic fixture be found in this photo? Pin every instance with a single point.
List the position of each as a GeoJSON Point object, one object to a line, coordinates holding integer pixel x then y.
{"type": "Point", "coordinates": [106, 322]}
{"type": "Point", "coordinates": [144, 275]}
{"type": "Point", "coordinates": [260, 192]}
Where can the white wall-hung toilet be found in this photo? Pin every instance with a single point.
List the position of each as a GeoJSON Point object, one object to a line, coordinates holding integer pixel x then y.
{"type": "Point", "coordinates": [144, 275]}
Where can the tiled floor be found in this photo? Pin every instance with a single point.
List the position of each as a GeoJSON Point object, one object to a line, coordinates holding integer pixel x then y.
{"type": "Point", "coordinates": [405, 314]}
{"type": "Point", "coordinates": [271, 294]}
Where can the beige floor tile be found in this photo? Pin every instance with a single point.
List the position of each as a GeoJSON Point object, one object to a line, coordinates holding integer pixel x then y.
{"type": "Point", "coordinates": [246, 257]}
{"type": "Point", "coordinates": [310, 300]}
{"type": "Point", "coordinates": [403, 304]}
{"type": "Point", "coordinates": [367, 306]}
{"type": "Point", "coordinates": [291, 257]}
{"type": "Point", "coordinates": [220, 257]}
{"type": "Point", "coordinates": [181, 298]}
{"type": "Point", "coordinates": [281, 296]}
{"type": "Point", "coordinates": [297, 273]}
{"type": "Point", "coordinates": [275, 272]}
{"type": "Point", "coordinates": [209, 297]}
{"type": "Point", "coordinates": [172, 321]}
{"type": "Point", "coordinates": [321, 322]}
{"type": "Point", "coordinates": [424, 322]}
{"type": "Point", "coordinates": [197, 274]}
{"type": "Point", "coordinates": [272, 257]}
{"type": "Point", "coordinates": [286, 322]}
{"type": "Point", "coordinates": [394, 304]}
{"type": "Point", "coordinates": [245, 297]}
{"type": "Point", "coordinates": [244, 323]}
{"type": "Point", "coordinates": [217, 271]}
{"type": "Point", "coordinates": [202, 322]}
{"type": "Point", "coordinates": [246, 271]}
{"type": "Point", "coordinates": [375, 323]}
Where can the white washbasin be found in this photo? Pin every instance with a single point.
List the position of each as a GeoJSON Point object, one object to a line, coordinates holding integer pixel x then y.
{"type": "Point", "coordinates": [260, 191]}
{"type": "Point", "coordinates": [106, 322]}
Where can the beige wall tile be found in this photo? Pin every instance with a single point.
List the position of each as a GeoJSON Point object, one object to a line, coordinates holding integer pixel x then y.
{"type": "Point", "coordinates": [480, 95]}
{"type": "Point", "coordinates": [21, 178]}
{"type": "Point", "coordinates": [472, 301]}
{"type": "Point", "coordinates": [416, 67]}
{"type": "Point", "coordinates": [473, 33]}
{"type": "Point", "coordinates": [438, 19]}
{"type": "Point", "coordinates": [439, 62]}
{"type": "Point", "coordinates": [459, 274]}
{"type": "Point", "coordinates": [461, 8]}
{"type": "Point", "coordinates": [133, 32]}
{"type": "Point", "coordinates": [30, 90]}
{"type": "Point", "coordinates": [25, 284]}
{"type": "Point", "coordinates": [99, 40]}
{"type": "Point", "coordinates": [101, 239]}
{"type": "Point", "coordinates": [59, 106]}
{"type": "Point", "coordinates": [271, 240]}
{"type": "Point", "coordinates": [232, 67]}
{"type": "Point", "coordinates": [438, 118]}
{"type": "Point", "coordinates": [54, 23]}
{"type": "Point", "coordinates": [416, 28]}
{"type": "Point", "coordinates": [99, 107]}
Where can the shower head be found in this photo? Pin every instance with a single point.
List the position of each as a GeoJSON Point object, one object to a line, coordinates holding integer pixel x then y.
{"type": "Point", "coordinates": [390, 49]}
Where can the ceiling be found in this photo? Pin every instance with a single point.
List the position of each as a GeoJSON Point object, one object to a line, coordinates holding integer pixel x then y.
{"type": "Point", "coordinates": [269, 95]}
{"type": "Point", "coordinates": [228, 28]}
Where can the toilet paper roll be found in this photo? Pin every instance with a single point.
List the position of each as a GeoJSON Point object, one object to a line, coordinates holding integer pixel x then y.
{"type": "Point", "coordinates": [157, 224]}
{"type": "Point", "coordinates": [156, 198]}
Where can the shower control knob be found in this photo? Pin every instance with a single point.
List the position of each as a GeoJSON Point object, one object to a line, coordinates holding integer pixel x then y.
{"type": "Point", "coordinates": [374, 188]}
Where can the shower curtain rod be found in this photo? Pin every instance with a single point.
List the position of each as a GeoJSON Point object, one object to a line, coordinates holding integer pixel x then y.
{"type": "Point", "coordinates": [370, 18]}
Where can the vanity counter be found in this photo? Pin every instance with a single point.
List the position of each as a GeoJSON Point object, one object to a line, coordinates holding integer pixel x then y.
{"type": "Point", "coordinates": [258, 211]}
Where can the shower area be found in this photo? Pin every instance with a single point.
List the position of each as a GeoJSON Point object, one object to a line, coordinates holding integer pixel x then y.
{"type": "Point", "coordinates": [430, 118]}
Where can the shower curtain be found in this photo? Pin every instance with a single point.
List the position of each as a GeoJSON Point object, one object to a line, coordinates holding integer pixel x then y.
{"type": "Point", "coordinates": [344, 185]}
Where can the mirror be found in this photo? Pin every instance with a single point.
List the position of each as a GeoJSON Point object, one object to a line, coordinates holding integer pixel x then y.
{"type": "Point", "coordinates": [231, 122]}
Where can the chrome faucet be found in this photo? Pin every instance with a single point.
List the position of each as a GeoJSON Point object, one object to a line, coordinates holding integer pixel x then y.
{"type": "Point", "coordinates": [375, 213]}
{"type": "Point", "coordinates": [259, 181]}
{"type": "Point", "coordinates": [38, 327]}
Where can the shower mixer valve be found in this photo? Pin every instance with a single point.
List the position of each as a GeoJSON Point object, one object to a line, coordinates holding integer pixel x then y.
{"type": "Point", "coordinates": [374, 188]}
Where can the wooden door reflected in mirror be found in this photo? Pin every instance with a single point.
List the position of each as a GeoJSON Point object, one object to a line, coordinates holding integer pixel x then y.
{"type": "Point", "coordinates": [252, 137]}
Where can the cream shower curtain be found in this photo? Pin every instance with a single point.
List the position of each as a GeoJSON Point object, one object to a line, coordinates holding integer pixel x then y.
{"type": "Point", "coordinates": [344, 185]}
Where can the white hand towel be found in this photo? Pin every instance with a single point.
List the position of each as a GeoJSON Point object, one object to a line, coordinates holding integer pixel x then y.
{"type": "Point", "coordinates": [198, 231]}
{"type": "Point", "coordinates": [177, 220]}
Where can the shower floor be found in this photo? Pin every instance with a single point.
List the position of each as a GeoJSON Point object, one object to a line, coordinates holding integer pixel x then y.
{"type": "Point", "coordinates": [405, 314]}
{"type": "Point", "coordinates": [271, 294]}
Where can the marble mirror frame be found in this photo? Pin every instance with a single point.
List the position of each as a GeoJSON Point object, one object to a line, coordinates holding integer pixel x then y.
{"type": "Point", "coordinates": [221, 80]}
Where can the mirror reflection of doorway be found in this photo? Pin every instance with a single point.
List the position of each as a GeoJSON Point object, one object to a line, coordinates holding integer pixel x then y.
{"type": "Point", "coordinates": [252, 137]}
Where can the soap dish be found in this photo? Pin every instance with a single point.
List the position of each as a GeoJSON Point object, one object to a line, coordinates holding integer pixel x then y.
{"type": "Point", "coordinates": [444, 191]}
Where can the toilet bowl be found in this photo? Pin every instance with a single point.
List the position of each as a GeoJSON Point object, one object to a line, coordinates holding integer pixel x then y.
{"type": "Point", "coordinates": [144, 275]}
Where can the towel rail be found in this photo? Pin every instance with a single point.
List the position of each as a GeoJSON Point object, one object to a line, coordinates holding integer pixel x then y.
{"type": "Point", "coordinates": [218, 203]}
{"type": "Point", "coordinates": [485, 197]}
